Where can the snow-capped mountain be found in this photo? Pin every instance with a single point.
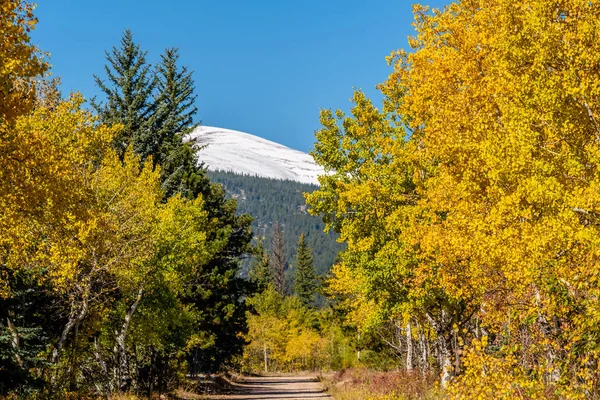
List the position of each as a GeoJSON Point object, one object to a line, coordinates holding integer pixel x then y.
{"type": "Point", "coordinates": [246, 154]}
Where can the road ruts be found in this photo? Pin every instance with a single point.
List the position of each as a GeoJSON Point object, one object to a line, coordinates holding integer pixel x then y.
{"type": "Point", "coordinates": [278, 387]}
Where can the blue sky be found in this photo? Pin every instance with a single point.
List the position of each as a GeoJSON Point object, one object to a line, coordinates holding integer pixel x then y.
{"type": "Point", "coordinates": [263, 67]}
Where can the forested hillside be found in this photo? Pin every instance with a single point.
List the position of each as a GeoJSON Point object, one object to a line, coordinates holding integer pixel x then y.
{"type": "Point", "coordinates": [272, 200]}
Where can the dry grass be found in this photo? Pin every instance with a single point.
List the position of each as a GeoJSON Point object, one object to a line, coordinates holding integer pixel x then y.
{"type": "Point", "coordinates": [184, 394]}
{"type": "Point", "coordinates": [365, 384]}
{"type": "Point", "coordinates": [191, 389]}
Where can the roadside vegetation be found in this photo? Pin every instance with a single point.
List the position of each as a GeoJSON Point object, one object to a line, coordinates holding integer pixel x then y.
{"type": "Point", "coordinates": [361, 383]}
{"type": "Point", "coordinates": [470, 200]}
{"type": "Point", "coordinates": [468, 204]}
{"type": "Point", "coordinates": [119, 259]}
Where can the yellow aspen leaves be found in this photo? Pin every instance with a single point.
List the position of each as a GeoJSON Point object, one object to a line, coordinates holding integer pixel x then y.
{"type": "Point", "coordinates": [45, 171]}
{"type": "Point", "coordinates": [473, 198]}
{"type": "Point", "coordinates": [20, 61]}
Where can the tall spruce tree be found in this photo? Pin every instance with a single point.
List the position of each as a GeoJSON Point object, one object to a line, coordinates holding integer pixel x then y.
{"type": "Point", "coordinates": [305, 280]}
{"type": "Point", "coordinates": [260, 270]}
{"type": "Point", "coordinates": [277, 260]}
{"type": "Point", "coordinates": [174, 119]}
{"type": "Point", "coordinates": [128, 92]}
{"type": "Point", "coordinates": [218, 289]}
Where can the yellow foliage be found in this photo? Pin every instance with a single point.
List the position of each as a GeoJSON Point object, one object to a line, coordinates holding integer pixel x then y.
{"type": "Point", "coordinates": [305, 347]}
{"type": "Point", "coordinates": [92, 226]}
{"type": "Point", "coordinates": [44, 186]}
{"type": "Point", "coordinates": [281, 333]}
{"type": "Point", "coordinates": [504, 97]}
{"type": "Point", "coordinates": [498, 225]}
{"type": "Point", "coordinates": [20, 61]}
{"type": "Point", "coordinates": [489, 377]}
{"type": "Point", "coordinates": [75, 210]}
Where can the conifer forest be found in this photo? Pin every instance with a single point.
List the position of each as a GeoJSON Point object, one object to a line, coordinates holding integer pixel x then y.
{"type": "Point", "coordinates": [450, 251]}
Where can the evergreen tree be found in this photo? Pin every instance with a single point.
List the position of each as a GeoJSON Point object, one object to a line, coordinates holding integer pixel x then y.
{"type": "Point", "coordinates": [218, 289]}
{"type": "Point", "coordinates": [29, 322]}
{"type": "Point", "coordinates": [129, 97]}
{"type": "Point", "coordinates": [220, 292]}
{"type": "Point", "coordinates": [156, 109]}
{"type": "Point", "coordinates": [260, 271]}
{"type": "Point", "coordinates": [174, 119]}
{"type": "Point", "coordinates": [277, 261]}
{"type": "Point", "coordinates": [305, 280]}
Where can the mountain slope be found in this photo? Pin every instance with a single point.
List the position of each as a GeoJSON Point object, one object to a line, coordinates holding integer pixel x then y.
{"type": "Point", "coordinates": [270, 201]}
{"type": "Point", "coordinates": [246, 154]}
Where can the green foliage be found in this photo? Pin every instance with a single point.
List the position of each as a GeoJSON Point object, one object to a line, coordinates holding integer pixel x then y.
{"type": "Point", "coordinates": [270, 201]}
{"type": "Point", "coordinates": [305, 278]}
{"type": "Point", "coordinates": [218, 289]}
{"type": "Point", "coordinates": [173, 120]}
{"type": "Point", "coordinates": [156, 109]}
{"type": "Point", "coordinates": [28, 324]}
{"type": "Point", "coordinates": [260, 271]}
{"type": "Point", "coordinates": [129, 97]}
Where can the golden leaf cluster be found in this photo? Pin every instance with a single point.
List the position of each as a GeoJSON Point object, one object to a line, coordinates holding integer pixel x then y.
{"type": "Point", "coordinates": [471, 202]}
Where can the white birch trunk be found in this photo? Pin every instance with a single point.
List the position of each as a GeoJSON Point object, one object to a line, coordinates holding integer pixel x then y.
{"type": "Point", "coordinates": [120, 345]}
{"type": "Point", "coordinates": [409, 348]}
{"type": "Point", "coordinates": [15, 342]}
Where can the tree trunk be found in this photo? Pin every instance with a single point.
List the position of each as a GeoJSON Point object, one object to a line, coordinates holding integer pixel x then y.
{"type": "Point", "coordinates": [15, 342]}
{"type": "Point", "coordinates": [122, 365]}
{"type": "Point", "coordinates": [72, 368]}
{"type": "Point", "coordinates": [446, 362]}
{"type": "Point", "coordinates": [265, 356]}
{"type": "Point", "coordinates": [409, 348]}
{"type": "Point", "coordinates": [75, 317]}
{"type": "Point", "coordinates": [332, 349]}
{"type": "Point", "coordinates": [106, 386]}
{"type": "Point", "coordinates": [151, 374]}
{"type": "Point", "coordinates": [428, 349]}
{"type": "Point", "coordinates": [456, 348]}
{"type": "Point", "coordinates": [423, 346]}
{"type": "Point", "coordinates": [443, 330]}
{"type": "Point", "coordinates": [277, 259]}
{"type": "Point", "coordinates": [358, 350]}
{"type": "Point", "coordinates": [552, 372]}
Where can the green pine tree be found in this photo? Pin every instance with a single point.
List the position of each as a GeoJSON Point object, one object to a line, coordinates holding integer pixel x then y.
{"type": "Point", "coordinates": [129, 97]}
{"type": "Point", "coordinates": [260, 270]}
{"type": "Point", "coordinates": [28, 326]}
{"type": "Point", "coordinates": [156, 109]}
{"type": "Point", "coordinates": [174, 119]}
{"type": "Point", "coordinates": [305, 280]}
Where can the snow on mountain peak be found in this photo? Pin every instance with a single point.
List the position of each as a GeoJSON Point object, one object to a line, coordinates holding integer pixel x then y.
{"type": "Point", "coordinates": [246, 154]}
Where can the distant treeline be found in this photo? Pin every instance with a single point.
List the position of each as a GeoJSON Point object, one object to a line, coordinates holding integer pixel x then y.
{"type": "Point", "coordinates": [274, 200]}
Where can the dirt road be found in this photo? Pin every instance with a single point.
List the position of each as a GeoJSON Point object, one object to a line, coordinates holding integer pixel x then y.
{"type": "Point", "coordinates": [279, 387]}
